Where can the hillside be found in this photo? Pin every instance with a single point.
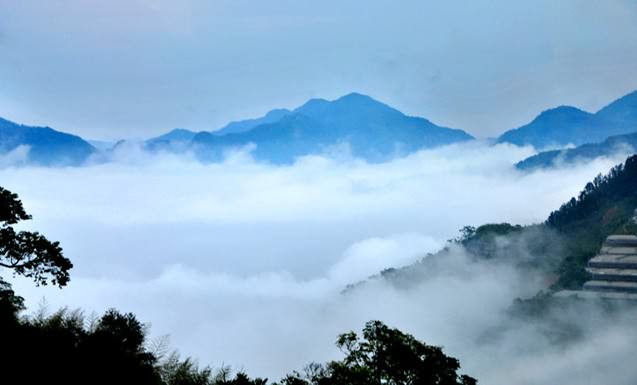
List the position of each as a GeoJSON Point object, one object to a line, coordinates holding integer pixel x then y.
{"type": "Point", "coordinates": [566, 125]}
{"type": "Point", "coordinates": [46, 146]}
{"type": "Point", "coordinates": [557, 249]}
{"type": "Point", "coordinates": [620, 144]}
{"type": "Point", "coordinates": [171, 140]}
{"type": "Point", "coordinates": [248, 124]}
{"type": "Point", "coordinates": [363, 126]}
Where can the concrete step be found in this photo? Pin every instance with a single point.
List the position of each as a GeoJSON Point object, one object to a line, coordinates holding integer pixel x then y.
{"type": "Point", "coordinates": [596, 295]}
{"type": "Point", "coordinates": [622, 240]}
{"type": "Point", "coordinates": [615, 286]}
{"type": "Point", "coordinates": [609, 274]}
{"type": "Point", "coordinates": [610, 261]}
{"type": "Point", "coordinates": [618, 250]}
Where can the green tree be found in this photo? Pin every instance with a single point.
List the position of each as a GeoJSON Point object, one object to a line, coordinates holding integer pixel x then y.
{"type": "Point", "coordinates": [384, 356]}
{"type": "Point", "coordinates": [27, 253]}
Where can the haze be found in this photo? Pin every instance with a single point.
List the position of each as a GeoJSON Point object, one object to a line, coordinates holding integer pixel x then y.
{"type": "Point", "coordinates": [242, 263]}
{"type": "Point", "coordinates": [137, 68]}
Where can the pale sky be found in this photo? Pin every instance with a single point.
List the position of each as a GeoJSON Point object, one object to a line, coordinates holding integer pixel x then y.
{"type": "Point", "coordinates": [137, 68]}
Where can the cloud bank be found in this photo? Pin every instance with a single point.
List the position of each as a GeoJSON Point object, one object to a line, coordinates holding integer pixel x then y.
{"type": "Point", "coordinates": [243, 263]}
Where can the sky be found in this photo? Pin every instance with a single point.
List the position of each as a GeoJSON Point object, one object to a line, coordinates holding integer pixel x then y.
{"type": "Point", "coordinates": [243, 263]}
{"type": "Point", "coordinates": [137, 68]}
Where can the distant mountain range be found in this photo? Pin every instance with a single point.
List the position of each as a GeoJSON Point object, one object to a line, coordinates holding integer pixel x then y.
{"type": "Point", "coordinates": [248, 124]}
{"type": "Point", "coordinates": [45, 146]}
{"type": "Point", "coordinates": [619, 144]}
{"type": "Point", "coordinates": [177, 139]}
{"type": "Point", "coordinates": [367, 129]}
{"type": "Point", "coordinates": [354, 125]}
{"type": "Point", "coordinates": [565, 125]}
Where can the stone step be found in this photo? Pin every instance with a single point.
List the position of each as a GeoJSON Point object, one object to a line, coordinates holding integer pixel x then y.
{"type": "Point", "coordinates": [615, 286]}
{"type": "Point", "coordinates": [609, 274]}
{"type": "Point", "coordinates": [609, 261]}
{"type": "Point", "coordinates": [618, 250]}
{"type": "Point", "coordinates": [622, 240]}
{"type": "Point", "coordinates": [596, 295]}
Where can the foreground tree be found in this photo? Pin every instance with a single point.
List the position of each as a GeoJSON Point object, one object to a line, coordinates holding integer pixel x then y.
{"type": "Point", "coordinates": [384, 356]}
{"type": "Point", "coordinates": [27, 253]}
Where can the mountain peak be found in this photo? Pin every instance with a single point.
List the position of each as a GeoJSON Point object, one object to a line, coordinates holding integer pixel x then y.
{"type": "Point", "coordinates": [371, 129]}
{"type": "Point", "coordinates": [248, 124]}
{"type": "Point", "coordinates": [569, 125]}
{"type": "Point", "coordinates": [46, 145]}
{"type": "Point", "coordinates": [554, 127]}
{"type": "Point", "coordinates": [176, 134]}
{"type": "Point", "coordinates": [624, 107]}
{"type": "Point", "coordinates": [312, 105]}
{"type": "Point", "coordinates": [277, 113]}
{"type": "Point", "coordinates": [562, 110]}
{"type": "Point", "coordinates": [355, 96]}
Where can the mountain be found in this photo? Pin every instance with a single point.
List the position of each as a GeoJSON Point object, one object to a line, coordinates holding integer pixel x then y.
{"type": "Point", "coordinates": [566, 125]}
{"type": "Point", "coordinates": [620, 115]}
{"type": "Point", "coordinates": [367, 128]}
{"type": "Point", "coordinates": [249, 124]}
{"type": "Point", "coordinates": [623, 144]}
{"type": "Point", "coordinates": [557, 249]}
{"type": "Point", "coordinates": [172, 140]}
{"type": "Point", "coordinates": [176, 135]}
{"type": "Point", "coordinates": [47, 147]}
{"type": "Point", "coordinates": [102, 145]}
{"type": "Point", "coordinates": [555, 127]}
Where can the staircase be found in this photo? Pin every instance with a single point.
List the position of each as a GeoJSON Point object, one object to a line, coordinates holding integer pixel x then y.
{"type": "Point", "coordinates": [613, 271]}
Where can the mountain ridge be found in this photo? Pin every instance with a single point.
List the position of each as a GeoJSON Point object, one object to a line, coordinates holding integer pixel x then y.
{"type": "Point", "coordinates": [612, 145]}
{"type": "Point", "coordinates": [564, 125]}
{"type": "Point", "coordinates": [47, 147]}
{"type": "Point", "coordinates": [372, 130]}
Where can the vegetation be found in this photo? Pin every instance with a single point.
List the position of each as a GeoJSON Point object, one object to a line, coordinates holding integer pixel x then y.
{"type": "Point", "coordinates": [29, 253]}
{"type": "Point", "coordinates": [604, 207]}
{"type": "Point", "coordinates": [571, 235]}
{"type": "Point", "coordinates": [68, 348]}
{"type": "Point", "coordinates": [384, 356]}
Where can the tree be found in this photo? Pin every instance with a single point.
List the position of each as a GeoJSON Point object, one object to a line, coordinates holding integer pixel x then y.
{"type": "Point", "coordinates": [10, 305]}
{"type": "Point", "coordinates": [384, 356]}
{"type": "Point", "coordinates": [27, 253]}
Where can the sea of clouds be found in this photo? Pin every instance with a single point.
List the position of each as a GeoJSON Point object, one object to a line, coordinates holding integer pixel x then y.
{"type": "Point", "coordinates": [243, 263]}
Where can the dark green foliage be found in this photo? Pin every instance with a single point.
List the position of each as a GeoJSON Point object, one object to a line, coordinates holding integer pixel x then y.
{"type": "Point", "coordinates": [176, 372]}
{"type": "Point", "coordinates": [11, 210]}
{"type": "Point", "coordinates": [483, 241]}
{"type": "Point", "coordinates": [604, 192]}
{"type": "Point", "coordinates": [604, 207]}
{"type": "Point", "coordinates": [384, 356]}
{"type": "Point", "coordinates": [29, 253]}
{"type": "Point", "coordinates": [60, 349]}
{"type": "Point", "coordinates": [10, 305]}
{"type": "Point", "coordinates": [570, 236]}
{"type": "Point", "coordinates": [63, 348]}
{"type": "Point", "coordinates": [239, 379]}
{"type": "Point", "coordinates": [534, 246]}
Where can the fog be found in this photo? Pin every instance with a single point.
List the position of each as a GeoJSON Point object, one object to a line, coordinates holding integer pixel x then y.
{"type": "Point", "coordinates": [243, 263]}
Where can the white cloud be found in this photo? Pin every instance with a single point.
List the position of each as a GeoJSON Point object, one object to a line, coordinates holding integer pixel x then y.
{"type": "Point", "coordinates": [242, 263]}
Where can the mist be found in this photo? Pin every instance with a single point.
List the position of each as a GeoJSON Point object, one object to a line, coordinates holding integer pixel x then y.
{"type": "Point", "coordinates": [244, 263]}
